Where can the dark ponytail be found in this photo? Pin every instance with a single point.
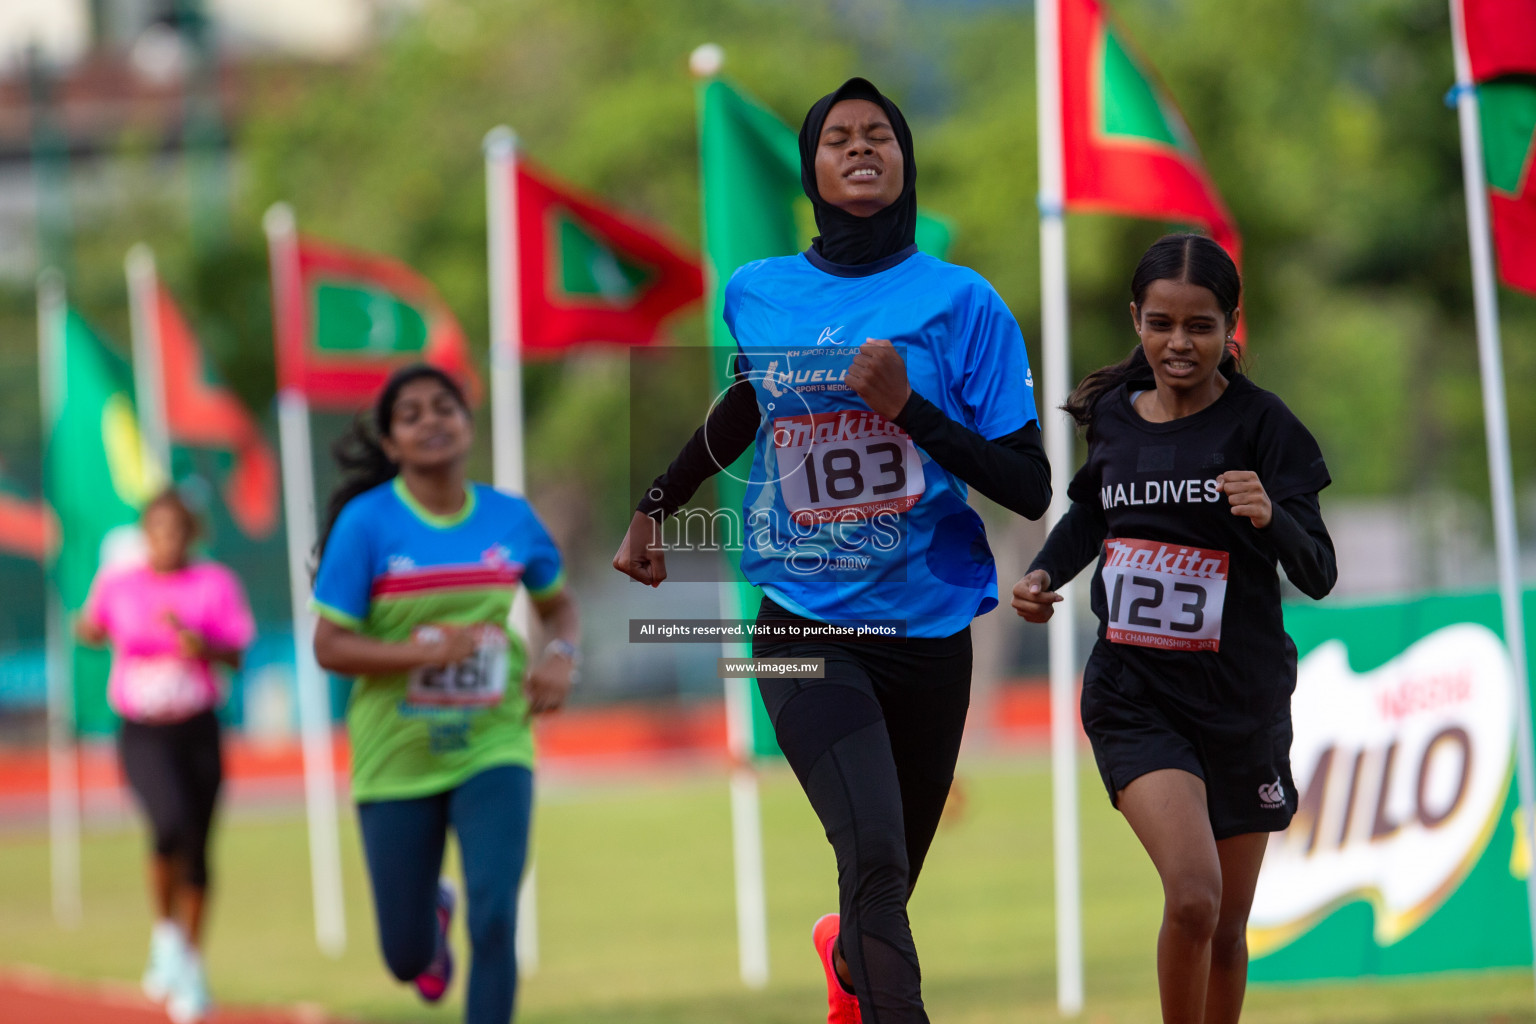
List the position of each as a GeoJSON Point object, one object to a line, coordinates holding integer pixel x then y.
{"type": "Point", "coordinates": [359, 452]}
{"type": "Point", "coordinates": [1192, 259]}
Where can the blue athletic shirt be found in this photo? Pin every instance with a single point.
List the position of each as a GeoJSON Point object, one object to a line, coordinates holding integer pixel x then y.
{"type": "Point", "coordinates": [846, 520]}
{"type": "Point", "coordinates": [391, 570]}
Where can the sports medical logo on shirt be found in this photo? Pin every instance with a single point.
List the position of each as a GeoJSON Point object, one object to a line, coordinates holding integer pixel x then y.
{"type": "Point", "coordinates": [781, 377]}
{"type": "Point", "coordinates": [1164, 595]}
{"type": "Point", "coordinates": [851, 464]}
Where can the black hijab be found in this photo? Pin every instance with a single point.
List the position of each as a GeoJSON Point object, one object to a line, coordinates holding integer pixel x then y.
{"type": "Point", "coordinates": [844, 238]}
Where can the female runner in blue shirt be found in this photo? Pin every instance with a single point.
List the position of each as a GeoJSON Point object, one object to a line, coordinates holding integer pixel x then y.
{"type": "Point", "coordinates": [874, 383]}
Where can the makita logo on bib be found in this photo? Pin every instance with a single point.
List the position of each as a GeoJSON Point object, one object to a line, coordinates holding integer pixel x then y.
{"type": "Point", "coordinates": [1170, 559]}
{"type": "Point", "coordinates": [826, 427]}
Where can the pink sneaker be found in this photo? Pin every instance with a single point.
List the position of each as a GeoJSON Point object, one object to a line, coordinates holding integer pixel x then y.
{"type": "Point", "coordinates": [432, 983]}
{"type": "Point", "coordinates": [842, 1005]}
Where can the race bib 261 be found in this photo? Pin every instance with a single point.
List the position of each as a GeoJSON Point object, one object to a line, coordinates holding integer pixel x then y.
{"type": "Point", "coordinates": [1164, 595]}
{"type": "Point", "coordinates": [480, 680]}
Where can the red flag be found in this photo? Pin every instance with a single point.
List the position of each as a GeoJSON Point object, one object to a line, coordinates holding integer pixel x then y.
{"type": "Point", "coordinates": [26, 528]}
{"type": "Point", "coordinates": [590, 274]}
{"type": "Point", "coordinates": [1126, 148]}
{"type": "Point", "coordinates": [1501, 37]}
{"type": "Point", "coordinates": [201, 412]}
{"type": "Point", "coordinates": [346, 320]}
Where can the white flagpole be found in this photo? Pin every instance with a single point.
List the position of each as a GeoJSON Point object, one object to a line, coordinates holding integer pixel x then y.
{"type": "Point", "coordinates": [314, 701]}
{"type": "Point", "coordinates": [1056, 382]}
{"type": "Point", "coordinates": [63, 768]}
{"type": "Point", "coordinates": [706, 62]}
{"type": "Point", "coordinates": [148, 360]}
{"type": "Point", "coordinates": [506, 346]}
{"type": "Point", "coordinates": [509, 474]}
{"type": "Point", "coordinates": [1485, 299]}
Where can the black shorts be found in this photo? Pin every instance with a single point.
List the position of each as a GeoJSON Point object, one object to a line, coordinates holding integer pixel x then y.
{"type": "Point", "coordinates": [1248, 784]}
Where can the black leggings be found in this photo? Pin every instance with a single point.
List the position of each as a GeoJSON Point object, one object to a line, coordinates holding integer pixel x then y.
{"type": "Point", "coordinates": [874, 745]}
{"type": "Point", "coordinates": [175, 770]}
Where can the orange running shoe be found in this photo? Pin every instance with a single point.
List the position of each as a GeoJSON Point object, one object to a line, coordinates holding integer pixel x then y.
{"type": "Point", "coordinates": [842, 1005]}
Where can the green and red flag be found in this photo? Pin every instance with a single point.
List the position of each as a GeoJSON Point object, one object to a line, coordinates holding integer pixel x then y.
{"type": "Point", "coordinates": [201, 412]}
{"type": "Point", "coordinates": [96, 477]}
{"type": "Point", "coordinates": [346, 320]}
{"type": "Point", "coordinates": [1126, 148]}
{"type": "Point", "coordinates": [1501, 48]}
{"type": "Point", "coordinates": [589, 274]}
{"type": "Point", "coordinates": [1507, 112]}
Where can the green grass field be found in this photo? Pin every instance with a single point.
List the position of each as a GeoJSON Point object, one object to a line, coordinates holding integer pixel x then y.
{"type": "Point", "coordinates": [637, 916]}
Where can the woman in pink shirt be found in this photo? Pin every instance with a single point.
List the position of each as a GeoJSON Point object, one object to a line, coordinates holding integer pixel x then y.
{"type": "Point", "coordinates": [168, 622]}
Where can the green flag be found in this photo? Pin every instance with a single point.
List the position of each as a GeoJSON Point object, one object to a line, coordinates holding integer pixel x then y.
{"type": "Point", "coordinates": [95, 478]}
{"type": "Point", "coordinates": [753, 209]}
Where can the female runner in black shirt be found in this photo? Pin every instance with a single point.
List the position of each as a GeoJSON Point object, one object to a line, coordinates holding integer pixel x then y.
{"type": "Point", "coordinates": [1197, 482]}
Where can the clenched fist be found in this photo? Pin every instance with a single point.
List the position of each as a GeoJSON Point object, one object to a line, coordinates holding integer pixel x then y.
{"type": "Point", "coordinates": [879, 376]}
{"type": "Point", "coordinates": [1246, 495]}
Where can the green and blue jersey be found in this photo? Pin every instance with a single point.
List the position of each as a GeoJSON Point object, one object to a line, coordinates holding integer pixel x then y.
{"type": "Point", "coordinates": [394, 571]}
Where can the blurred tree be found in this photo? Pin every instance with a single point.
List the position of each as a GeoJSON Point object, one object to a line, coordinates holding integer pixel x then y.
{"type": "Point", "coordinates": [1329, 139]}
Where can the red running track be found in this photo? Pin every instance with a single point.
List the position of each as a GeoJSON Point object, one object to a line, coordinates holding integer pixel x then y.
{"type": "Point", "coordinates": [28, 997]}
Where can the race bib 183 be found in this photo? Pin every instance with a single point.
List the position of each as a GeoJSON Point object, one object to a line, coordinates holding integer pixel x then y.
{"type": "Point", "coordinates": [480, 680]}
{"type": "Point", "coordinates": [851, 464]}
{"type": "Point", "coordinates": [1163, 595]}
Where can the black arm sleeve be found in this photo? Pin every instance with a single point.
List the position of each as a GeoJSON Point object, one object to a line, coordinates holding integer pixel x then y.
{"type": "Point", "coordinates": [729, 430]}
{"type": "Point", "coordinates": [1301, 541]}
{"type": "Point", "coordinates": [1011, 470]}
{"type": "Point", "coordinates": [1073, 543]}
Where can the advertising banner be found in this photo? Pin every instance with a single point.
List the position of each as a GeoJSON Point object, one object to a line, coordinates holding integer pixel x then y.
{"type": "Point", "coordinates": [1404, 856]}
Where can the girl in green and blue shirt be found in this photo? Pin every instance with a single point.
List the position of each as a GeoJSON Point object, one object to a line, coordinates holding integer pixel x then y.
{"type": "Point", "coordinates": [418, 570]}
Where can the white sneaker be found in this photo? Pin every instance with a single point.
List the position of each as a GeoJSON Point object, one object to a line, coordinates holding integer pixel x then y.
{"type": "Point", "coordinates": [167, 950]}
{"type": "Point", "coordinates": [189, 1001]}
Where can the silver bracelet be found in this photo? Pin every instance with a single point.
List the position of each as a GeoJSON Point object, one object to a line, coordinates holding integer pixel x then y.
{"type": "Point", "coordinates": [565, 649]}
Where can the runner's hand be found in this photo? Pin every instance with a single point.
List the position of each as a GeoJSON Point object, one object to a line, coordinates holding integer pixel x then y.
{"type": "Point", "coordinates": [1246, 495]}
{"type": "Point", "coordinates": [1033, 597]}
{"type": "Point", "coordinates": [190, 643]}
{"type": "Point", "coordinates": [879, 376]}
{"type": "Point", "coordinates": [548, 684]}
{"type": "Point", "coordinates": [640, 555]}
{"type": "Point", "coordinates": [455, 644]}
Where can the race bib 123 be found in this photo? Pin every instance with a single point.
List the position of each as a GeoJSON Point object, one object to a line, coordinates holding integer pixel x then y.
{"type": "Point", "coordinates": [1164, 595]}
